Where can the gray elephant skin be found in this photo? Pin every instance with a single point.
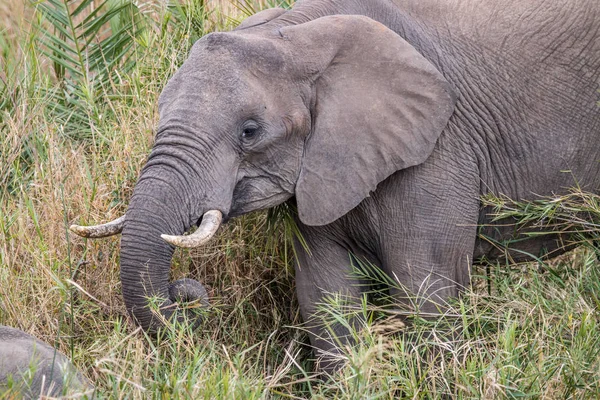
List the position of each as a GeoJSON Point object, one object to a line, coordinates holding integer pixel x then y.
{"type": "Point", "coordinates": [383, 122]}
{"type": "Point", "coordinates": [35, 368]}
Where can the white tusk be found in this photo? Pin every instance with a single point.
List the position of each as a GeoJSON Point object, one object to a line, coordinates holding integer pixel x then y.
{"type": "Point", "coordinates": [211, 220]}
{"type": "Point", "coordinates": [99, 231]}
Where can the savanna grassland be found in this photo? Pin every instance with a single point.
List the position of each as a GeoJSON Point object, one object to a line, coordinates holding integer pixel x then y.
{"type": "Point", "coordinates": [79, 83]}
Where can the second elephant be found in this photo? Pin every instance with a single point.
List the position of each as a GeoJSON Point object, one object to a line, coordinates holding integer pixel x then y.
{"type": "Point", "coordinates": [31, 368]}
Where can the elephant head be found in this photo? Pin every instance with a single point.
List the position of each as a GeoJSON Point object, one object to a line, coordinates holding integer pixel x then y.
{"type": "Point", "coordinates": [321, 111]}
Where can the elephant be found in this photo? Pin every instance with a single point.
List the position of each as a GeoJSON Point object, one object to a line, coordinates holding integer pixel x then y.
{"type": "Point", "coordinates": [383, 123]}
{"type": "Point", "coordinates": [35, 368]}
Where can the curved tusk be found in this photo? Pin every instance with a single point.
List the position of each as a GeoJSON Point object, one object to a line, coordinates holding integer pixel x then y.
{"type": "Point", "coordinates": [99, 231]}
{"type": "Point", "coordinates": [211, 220]}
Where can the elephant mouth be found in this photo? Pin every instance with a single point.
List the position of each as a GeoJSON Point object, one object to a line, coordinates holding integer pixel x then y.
{"type": "Point", "coordinates": [253, 193]}
{"type": "Point", "coordinates": [242, 206]}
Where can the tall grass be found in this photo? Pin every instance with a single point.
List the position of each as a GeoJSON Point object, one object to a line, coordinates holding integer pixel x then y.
{"type": "Point", "coordinates": [73, 137]}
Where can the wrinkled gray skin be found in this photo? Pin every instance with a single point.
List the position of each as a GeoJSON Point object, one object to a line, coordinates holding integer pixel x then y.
{"type": "Point", "coordinates": [384, 121]}
{"type": "Point", "coordinates": [35, 367]}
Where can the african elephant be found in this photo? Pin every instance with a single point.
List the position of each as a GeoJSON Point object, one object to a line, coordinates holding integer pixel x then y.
{"type": "Point", "coordinates": [35, 368]}
{"type": "Point", "coordinates": [384, 122]}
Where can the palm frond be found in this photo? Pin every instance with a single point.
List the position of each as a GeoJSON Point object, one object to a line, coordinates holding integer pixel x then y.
{"type": "Point", "coordinates": [90, 43]}
{"type": "Point", "coordinates": [191, 17]}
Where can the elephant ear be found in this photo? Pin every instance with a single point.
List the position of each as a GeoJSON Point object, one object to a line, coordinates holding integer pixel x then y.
{"type": "Point", "coordinates": [379, 107]}
{"type": "Point", "coordinates": [261, 17]}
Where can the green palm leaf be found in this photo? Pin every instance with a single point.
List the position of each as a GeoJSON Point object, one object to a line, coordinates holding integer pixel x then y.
{"type": "Point", "coordinates": [89, 43]}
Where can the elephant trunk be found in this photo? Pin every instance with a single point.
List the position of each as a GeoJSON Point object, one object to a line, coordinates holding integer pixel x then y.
{"type": "Point", "coordinates": [161, 204]}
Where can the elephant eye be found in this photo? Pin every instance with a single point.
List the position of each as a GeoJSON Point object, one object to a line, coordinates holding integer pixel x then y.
{"type": "Point", "coordinates": [250, 130]}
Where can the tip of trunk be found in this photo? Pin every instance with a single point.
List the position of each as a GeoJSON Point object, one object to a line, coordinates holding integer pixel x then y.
{"type": "Point", "coordinates": [187, 305]}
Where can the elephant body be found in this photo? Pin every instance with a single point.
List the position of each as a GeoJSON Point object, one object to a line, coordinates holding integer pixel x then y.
{"type": "Point", "coordinates": [384, 122]}
{"type": "Point", "coordinates": [34, 367]}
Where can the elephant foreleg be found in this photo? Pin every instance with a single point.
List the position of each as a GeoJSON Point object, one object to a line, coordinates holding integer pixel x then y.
{"type": "Point", "coordinates": [324, 275]}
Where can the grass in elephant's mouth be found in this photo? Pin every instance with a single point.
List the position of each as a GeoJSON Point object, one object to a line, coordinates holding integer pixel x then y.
{"type": "Point", "coordinates": [535, 335]}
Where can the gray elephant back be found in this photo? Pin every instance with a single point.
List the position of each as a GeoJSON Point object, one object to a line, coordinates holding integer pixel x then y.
{"type": "Point", "coordinates": [30, 367]}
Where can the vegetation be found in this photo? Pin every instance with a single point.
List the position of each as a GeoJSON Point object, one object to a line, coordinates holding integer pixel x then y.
{"type": "Point", "coordinates": [79, 82]}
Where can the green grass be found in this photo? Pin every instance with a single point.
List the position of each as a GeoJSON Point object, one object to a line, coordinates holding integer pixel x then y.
{"type": "Point", "coordinates": [521, 331]}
